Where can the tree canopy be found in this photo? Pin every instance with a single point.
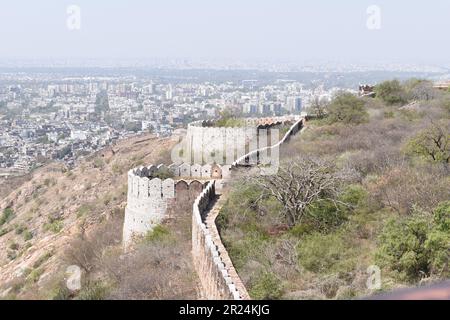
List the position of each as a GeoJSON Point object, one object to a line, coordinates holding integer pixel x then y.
{"type": "Point", "coordinates": [391, 92]}
{"type": "Point", "coordinates": [347, 108]}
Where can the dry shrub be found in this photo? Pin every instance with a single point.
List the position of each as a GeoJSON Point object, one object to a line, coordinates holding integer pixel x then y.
{"type": "Point", "coordinates": [156, 271]}
{"type": "Point", "coordinates": [402, 187]}
{"type": "Point", "coordinates": [160, 268]}
{"type": "Point", "coordinates": [88, 249]}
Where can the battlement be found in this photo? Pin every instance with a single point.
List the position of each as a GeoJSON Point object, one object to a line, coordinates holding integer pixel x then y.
{"type": "Point", "coordinates": [249, 122]}
{"type": "Point", "coordinates": [218, 277]}
{"type": "Point", "coordinates": [152, 190]}
{"type": "Point", "coordinates": [206, 143]}
{"type": "Point", "coordinates": [181, 171]}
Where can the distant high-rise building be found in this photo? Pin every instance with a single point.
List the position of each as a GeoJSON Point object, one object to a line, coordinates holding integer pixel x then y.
{"type": "Point", "coordinates": [250, 108]}
{"type": "Point", "coordinates": [169, 93]}
{"type": "Point", "coordinates": [150, 88]}
{"type": "Point", "coordinates": [264, 109]}
{"type": "Point", "coordinates": [294, 104]}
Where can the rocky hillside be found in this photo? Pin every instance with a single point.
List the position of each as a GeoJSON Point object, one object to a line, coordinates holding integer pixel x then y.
{"type": "Point", "coordinates": [43, 214]}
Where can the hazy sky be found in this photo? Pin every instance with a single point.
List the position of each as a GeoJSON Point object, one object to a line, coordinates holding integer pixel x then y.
{"type": "Point", "coordinates": [416, 31]}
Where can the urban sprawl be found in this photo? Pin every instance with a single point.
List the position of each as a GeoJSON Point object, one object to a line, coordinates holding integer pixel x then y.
{"type": "Point", "coordinates": [63, 119]}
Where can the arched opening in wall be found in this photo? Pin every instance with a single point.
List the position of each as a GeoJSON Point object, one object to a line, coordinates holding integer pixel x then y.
{"type": "Point", "coordinates": [195, 188]}
{"type": "Point", "coordinates": [181, 205]}
{"type": "Point", "coordinates": [182, 191]}
{"type": "Point", "coordinates": [216, 172]}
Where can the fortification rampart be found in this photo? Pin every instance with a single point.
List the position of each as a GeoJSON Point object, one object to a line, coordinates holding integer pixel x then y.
{"type": "Point", "coordinates": [205, 142]}
{"type": "Point", "coordinates": [218, 278]}
{"type": "Point", "coordinates": [261, 155]}
{"type": "Point", "coordinates": [150, 197]}
{"type": "Point", "coordinates": [152, 190]}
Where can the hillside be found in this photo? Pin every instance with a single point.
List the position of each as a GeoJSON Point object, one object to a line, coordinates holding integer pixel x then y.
{"type": "Point", "coordinates": [365, 188]}
{"type": "Point", "coordinates": [54, 207]}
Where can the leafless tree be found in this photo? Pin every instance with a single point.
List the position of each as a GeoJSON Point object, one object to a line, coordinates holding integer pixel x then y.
{"type": "Point", "coordinates": [424, 91]}
{"type": "Point", "coordinates": [301, 182]}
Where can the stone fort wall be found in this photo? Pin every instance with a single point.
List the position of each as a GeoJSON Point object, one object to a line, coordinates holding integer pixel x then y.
{"type": "Point", "coordinates": [217, 274]}
{"type": "Point", "coordinates": [205, 143]}
{"type": "Point", "coordinates": [218, 278]}
{"type": "Point", "coordinates": [149, 199]}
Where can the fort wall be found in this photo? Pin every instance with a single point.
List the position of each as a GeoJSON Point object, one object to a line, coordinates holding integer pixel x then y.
{"type": "Point", "coordinates": [150, 198]}
{"type": "Point", "coordinates": [206, 143]}
{"type": "Point", "coordinates": [218, 277]}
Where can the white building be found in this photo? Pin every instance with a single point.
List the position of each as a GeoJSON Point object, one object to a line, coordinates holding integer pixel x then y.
{"type": "Point", "coordinates": [294, 104]}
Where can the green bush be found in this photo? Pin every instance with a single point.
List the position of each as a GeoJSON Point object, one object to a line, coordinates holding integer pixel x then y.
{"type": "Point", "coordinates": [117, 168]}
{"type": "Point", "coordinates": [391, 92]}
{"type": "Point", "coordinates": [389, 114]}
{"type": "Point", "coordinates": [402, 247]}
{"type": "Point", "coordinates": [35, 275]}
{"type": "Point", "coordinates": [432, 144]}
{"type": "Point", "coordinates": [437, 246]}
{"type": "Point", "coordinates": [442, 216]}
{"type": "Point", "coordinates": [326, 216]}
{"type": "Point", "coordinates": [8, 215]}
{"type": "Point", "coordinates": [266, 286]}
{"type": "Point", "coordinates": [61, 292]}
{"type": "Point", "coordinates": [411, 115]}
{"type": "Point", "coordinates": [83, 210]}
{"type": "Point", "coordinates": [248, 248]}
{"type": "Point", "coordinates": [54, 226]}
{"type": "Point", "coordinates": [347, 108]}
{"type": "Point", "coordinates": [159, 233]}
{"type": "Point", "coordinates": [228, 119]}
{"type": "Point", "coordinates": [301, 229]}
{"type": "Point", "coordinates": [12, 255]}
{"type": "Point", "coordinates": [163, 175]}
{"type": "Point", "coordinates": [20, 229]}
{"type": "Point", "coordinates": [94, 291]}
{"type": "Point", "coordinates": [3, 232]}
{"type": "Point", "coordinates": [354, 195]}
{"type": "Point", "coordinates": [99, 163]}
{"type": "Point", "coordinates": [42, 259]}
{"type": "Point", "coordinates": [325, 253]}
{"type": "Point", "coordinates": [27, 235]}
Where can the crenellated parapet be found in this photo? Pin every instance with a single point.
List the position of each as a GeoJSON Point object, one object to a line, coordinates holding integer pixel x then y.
{"type": "Point", "coordinates": [153, 190]}
{"type": "Point", "coordinates": [219, 279]}
{"type": "Point", "coordinates": [250, 122]}
{"type": "Point", "coordinates": [207, 142]}
{"type": "Point", "coordinates": [182, 171]}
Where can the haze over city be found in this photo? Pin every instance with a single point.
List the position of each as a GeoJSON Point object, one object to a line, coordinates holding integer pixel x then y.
{"type": "Point", "coordinates": [287, 30]}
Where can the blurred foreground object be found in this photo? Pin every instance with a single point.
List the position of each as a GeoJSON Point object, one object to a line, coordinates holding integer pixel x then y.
{"type": "Point", "coordinates": [440, 291]}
